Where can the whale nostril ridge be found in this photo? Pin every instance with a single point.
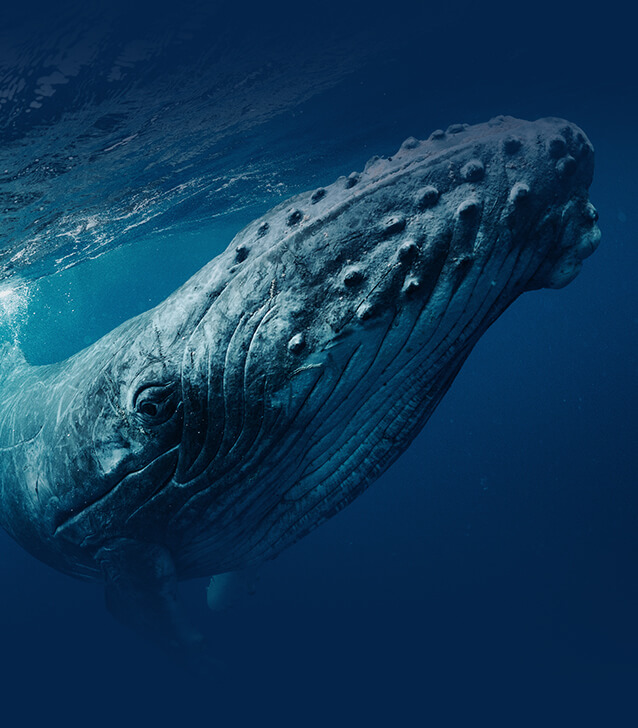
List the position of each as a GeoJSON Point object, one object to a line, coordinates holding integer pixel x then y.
{"type": "Point", "coordinates": [428, 196]}
{"type": "Point", "coordinates": [411, 285]}
{"type": "Point", "coordinates": [566, 166]}
{"type": "Point", "coordinates": [456, 128]}
{"type": "Point", "coordinates": [468, 209]}
{"type": "Point", "coordinates": [393, 224]}
{"type": "Point", "coordinates": [557, 147]}
{"type": "Point", "coordinates": [352, 180]}
{"type": "Point", "coordinates": [352, 277]}
{"type": "Point", "coordinates": [512, 144]}
{"type": "Point", "coordinates": [241, 253]}
{"type": "Point", "coordinates": [407, 251]}
{"type": "Point", "coordinates": [472, 171]}
{"type": "Point", "coordinates": [296, 343]}
{"type": "Point", "coordinates": [519, 192]}
{"type": "Point", "coordinates": [294, 217]}
{"type": "Point", "coordinates": [410, 143]}
{"type": "Point", "coordinates": [366, 312]}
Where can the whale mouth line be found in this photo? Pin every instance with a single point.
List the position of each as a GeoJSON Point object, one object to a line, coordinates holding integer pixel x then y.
{"type": "Point", "coordinates": [71, 520]}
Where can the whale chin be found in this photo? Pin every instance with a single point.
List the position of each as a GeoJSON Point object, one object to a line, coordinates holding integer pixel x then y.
{"type": "Point", "coordinates": [579, 238]}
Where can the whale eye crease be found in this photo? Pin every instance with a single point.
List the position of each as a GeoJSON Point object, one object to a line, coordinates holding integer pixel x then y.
{"type": "Point", "coordinates": [155, 403]}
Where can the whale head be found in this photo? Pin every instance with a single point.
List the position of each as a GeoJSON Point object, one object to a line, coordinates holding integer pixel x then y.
{"type": "Point", "coordinates": [267, 392]}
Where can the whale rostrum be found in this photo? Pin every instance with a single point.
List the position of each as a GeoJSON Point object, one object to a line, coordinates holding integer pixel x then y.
{"type": "Point", "coordinates": [274, 386]}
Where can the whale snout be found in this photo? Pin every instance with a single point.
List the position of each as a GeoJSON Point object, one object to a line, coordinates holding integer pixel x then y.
{"type": "Point", "coordinates": [578, 239]}
{"type": "Point", "coordinates": [570, 151]}
{"type": "Point", "coordinates": [569, 168]}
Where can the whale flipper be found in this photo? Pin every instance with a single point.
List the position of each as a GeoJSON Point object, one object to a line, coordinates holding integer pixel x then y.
{"type": "Point", "coordinates": [141, 592]}
{"type": "Point", "coordinates": [226, 590]}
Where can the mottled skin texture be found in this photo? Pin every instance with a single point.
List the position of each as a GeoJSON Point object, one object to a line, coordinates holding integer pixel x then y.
{"type": "Point", "coordinates": [272, 388]}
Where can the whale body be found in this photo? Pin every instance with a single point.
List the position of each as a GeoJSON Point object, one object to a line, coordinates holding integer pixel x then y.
{"type": "Point", "coordinates": [211, 432]}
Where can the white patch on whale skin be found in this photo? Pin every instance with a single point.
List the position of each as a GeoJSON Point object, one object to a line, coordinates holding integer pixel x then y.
{"type": "Point", "coordinates": [111, 458]}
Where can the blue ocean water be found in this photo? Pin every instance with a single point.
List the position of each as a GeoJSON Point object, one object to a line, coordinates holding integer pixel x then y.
{"type": "Point", "coordinates": [489, 577]}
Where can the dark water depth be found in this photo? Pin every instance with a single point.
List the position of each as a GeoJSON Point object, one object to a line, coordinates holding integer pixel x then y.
{"type": "Point", "coordinates": [489, 577]}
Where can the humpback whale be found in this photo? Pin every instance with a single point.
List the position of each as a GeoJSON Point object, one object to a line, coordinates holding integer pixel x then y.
{"type": "Point", "coordinates": [211, 432]}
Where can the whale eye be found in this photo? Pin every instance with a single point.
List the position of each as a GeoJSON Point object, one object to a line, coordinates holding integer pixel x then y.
{"type": "Point", "coordinates": [148, 408]}
{"type": "Point", "coordinates": [155, 403]}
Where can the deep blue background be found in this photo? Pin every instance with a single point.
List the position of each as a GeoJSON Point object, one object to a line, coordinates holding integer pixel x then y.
{"type": "Point", "coordinates": [489, 578]}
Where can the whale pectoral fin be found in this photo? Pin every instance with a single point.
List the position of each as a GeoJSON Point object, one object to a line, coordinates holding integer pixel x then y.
{"type": "Point", "coordinates": [141, 592]}
{"type": "Point", "coordinates": [227, 590]}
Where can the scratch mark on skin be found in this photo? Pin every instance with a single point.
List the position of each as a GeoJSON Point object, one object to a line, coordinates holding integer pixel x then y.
{"type": "Point", "coordinates": [22, 442]}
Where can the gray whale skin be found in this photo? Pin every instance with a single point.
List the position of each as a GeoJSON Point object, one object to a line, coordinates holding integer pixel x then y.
{"type": "Point", "coordinates": [273, 387]}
